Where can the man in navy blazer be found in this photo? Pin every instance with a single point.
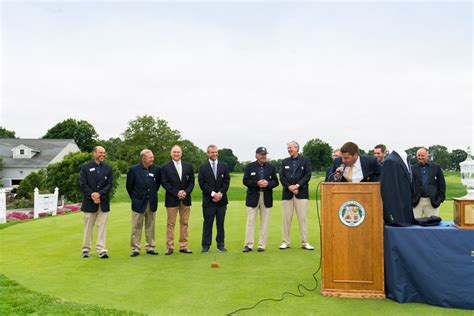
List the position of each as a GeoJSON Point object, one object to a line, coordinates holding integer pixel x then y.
{"type": "Point", "coordinates": [429, 186]}
{"type": "Point", "coordinates": [96, 182]}
{"type": "Point", "coordinates": [295, 175]}
{"type": "Point", "coordinates": [143, 183]}
{"type": "Point", "coordinates": [260, 178]}
{"type": "Point", "coordinates": [351, 167]}
{"type": "Point", "coordinates": [214, 180]}
{"type": "Point", "coordinates": [177, 177]}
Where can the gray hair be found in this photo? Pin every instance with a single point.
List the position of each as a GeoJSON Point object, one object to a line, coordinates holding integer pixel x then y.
{"type": "Point", "coordinates": [294, 143]}
{"type": "Point", "coordinates": [423, 148]}
{"type": "Point", "coordinates": [211, 146]}
{"type": "Point", "coordinates": [97, 147]}
{"type": "Point", "coordinates": [144, 152]}
{"type": "Point", "coordinates": [176, 145]}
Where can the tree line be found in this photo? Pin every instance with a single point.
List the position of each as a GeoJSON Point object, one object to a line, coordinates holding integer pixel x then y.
{"type": "Point", "coordinates": [156, 134]}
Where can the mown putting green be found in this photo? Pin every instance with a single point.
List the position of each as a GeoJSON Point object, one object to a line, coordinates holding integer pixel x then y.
{"type": "Point", "coordinates": [44, 256]}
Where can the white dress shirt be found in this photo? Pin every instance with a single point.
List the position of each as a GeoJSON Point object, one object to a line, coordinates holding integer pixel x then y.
{"type": "Point", "coordinates": [357, 174]}
{"type": "Point", "coordinates": [179, 168]}
{"type": "Point", "coordinates": [211, 162]}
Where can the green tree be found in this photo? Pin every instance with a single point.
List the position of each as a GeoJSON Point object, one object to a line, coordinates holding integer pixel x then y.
{"type": "Point", "coordinates": [115, 152]}
{"type": "Point", "coordinates": [148, 132]}
{"type": "Point", "coordinates": [82, 132]}
{"type": "Point", "coordinates": [113, 147]}
{"type": "Point", "coordinates": [276, 163]}
{"type": "Point", "coordinates": [440, 155]}
{"type": "Point", "coordinates": [65, 175]}
{"type": "Point", "coordinates": [411, 152]}
{"type": "Point", "coordinates": [226, 155]}
{"type": "Point", "coordinates": [457, 156]}
{"type": "Point", "coordinates": [240, 166]}
{"type": "Point", "coordinates": [4, 133]}
{"type": "Point", "coordinates": [32, 181]}
{"type": "Point", "coordinates": [319, 153]}
{"type": "Point", "coordinates": [192, 154]}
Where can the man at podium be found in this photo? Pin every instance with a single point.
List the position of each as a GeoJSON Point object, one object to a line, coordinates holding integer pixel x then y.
{"type": "Point", "coordinates": [351, 167]}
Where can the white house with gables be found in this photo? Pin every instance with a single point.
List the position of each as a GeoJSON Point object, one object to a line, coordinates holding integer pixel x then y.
{"type": "Point", "coordinates": [24, 156]}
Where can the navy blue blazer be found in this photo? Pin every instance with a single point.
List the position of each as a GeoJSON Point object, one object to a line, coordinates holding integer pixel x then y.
{"type": "Point", "coordinates": [142, 187]}
{"type": "Point", "coordinates": [302, 177]}
{"type": "Point", "coordinates": [172, 184]}
{"type": "Point", "coordinates": [208, 183]}
{"type": "Point", "coordinates": [396, 190]}
{"type": "Point", "coordinates": [251, 177]}
{"type": "Point", "coordinates": [436, 184]}
{"type": "Point", "coordinates": [371, 169]}
{"type": "Point", "coordinates": [90, 182]}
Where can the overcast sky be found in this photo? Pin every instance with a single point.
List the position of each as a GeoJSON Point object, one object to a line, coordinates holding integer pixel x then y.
{"type": "Point", "coordinates": [243, 74]}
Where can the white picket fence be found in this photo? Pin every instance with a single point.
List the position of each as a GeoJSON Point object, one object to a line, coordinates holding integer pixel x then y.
{"type": "Point", "coordinates": [46, 202]}
{"type": "Point", "coordinates": [3, 206]}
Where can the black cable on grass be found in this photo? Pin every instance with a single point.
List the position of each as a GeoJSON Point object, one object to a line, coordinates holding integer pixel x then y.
{"type": "Point", "coordinates": [300, 286]}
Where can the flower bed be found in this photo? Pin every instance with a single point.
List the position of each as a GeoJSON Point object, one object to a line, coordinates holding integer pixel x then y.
{"type": "Point", "coordinates": [19, 216]}
{"type": "Point", "coordinates": [27, 215]}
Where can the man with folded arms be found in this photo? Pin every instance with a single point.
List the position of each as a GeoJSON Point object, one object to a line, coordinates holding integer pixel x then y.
{"type": "Point", "coordinates": [143, 182]}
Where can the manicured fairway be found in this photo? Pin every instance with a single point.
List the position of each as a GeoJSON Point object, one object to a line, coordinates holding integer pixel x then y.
{"type": "Point", "coordinates": [44, 256]}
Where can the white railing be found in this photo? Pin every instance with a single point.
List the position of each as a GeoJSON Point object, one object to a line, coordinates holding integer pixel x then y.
{"type": "Point", "coordinates": [3, 207]}
{"type": "Point", "coordinates": [46, 202]}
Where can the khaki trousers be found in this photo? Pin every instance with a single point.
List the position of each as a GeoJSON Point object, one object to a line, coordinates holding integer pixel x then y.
{"type": "Point", "coordinates": [184, 212]}
{"type": "Point", "coordinates": [89, 220]}
{"type": "Point", "coordinates": [251, 219]}
{"type": "Point", "coordinates": [137, 226]}
{"type": "Point", "coordinates": [301, 207]}
{"type": "Point", "coordinates": [424, 208]}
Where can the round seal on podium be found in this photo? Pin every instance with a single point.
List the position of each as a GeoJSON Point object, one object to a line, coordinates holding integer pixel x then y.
{"type": "Point", "coordinates": [351, 213]}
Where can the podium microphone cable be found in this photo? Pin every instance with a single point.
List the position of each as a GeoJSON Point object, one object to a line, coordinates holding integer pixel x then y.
{"type": "Point", "coordinates": [300, 286]}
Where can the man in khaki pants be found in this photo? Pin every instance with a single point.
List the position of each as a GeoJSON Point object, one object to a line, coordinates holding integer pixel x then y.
{"type": "Point", "coordinates": [260, 178]}
{"type": "Point", "coordinates": [295, 175]}
{"type": "Point", "coordinates": [177, 177]}
{"type": "Point", "coordinates": [143, 182]}
{"type": "Point", "coordinates": [96, 181]}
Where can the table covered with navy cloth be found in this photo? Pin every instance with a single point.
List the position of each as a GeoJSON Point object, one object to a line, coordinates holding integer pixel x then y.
{"type": "Point", "coordinates": [432, 265]}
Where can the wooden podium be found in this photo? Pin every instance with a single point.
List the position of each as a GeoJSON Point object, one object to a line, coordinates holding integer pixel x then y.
{"type": "Point", "coordinates": [352, 240]}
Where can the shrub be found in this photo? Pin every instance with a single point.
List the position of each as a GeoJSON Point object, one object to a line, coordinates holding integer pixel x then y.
{"type": "Point", "coordinates": [22, 203]}
{"type": "Point", "coordinates": [65, 175]}
{"type": "Point", "coordinates": [32, 181]}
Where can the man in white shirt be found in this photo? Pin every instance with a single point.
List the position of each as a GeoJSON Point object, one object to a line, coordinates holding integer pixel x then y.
{"type": "Point", "coordinates": [351, 167]}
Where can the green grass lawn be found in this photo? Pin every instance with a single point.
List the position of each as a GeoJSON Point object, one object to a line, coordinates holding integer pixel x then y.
{"type": "Point", "coordinates": [43, 257]}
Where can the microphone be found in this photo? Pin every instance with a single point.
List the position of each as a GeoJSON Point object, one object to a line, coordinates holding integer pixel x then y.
{"type": "Point", "coordinates": [337, 175]}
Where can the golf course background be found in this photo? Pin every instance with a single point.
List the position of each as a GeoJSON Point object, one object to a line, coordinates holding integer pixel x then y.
{"type": "Point", "coordinates": [41, 263]}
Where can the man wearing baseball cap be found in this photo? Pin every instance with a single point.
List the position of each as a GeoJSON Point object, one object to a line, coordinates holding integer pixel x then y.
{"type": "Point", "coordinates": [260, 178]}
